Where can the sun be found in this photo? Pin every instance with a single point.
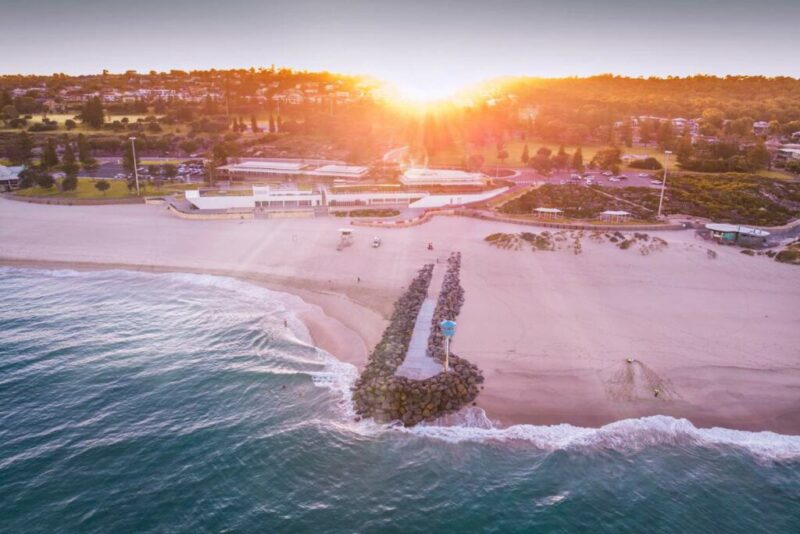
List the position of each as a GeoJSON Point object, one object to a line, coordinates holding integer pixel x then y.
{"type": "Point", "coordinates": [423, 92]}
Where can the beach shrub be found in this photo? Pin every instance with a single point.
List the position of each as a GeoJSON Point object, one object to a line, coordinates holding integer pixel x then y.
{"type": "Point", "coordinates": [368, 212]}
{"type": "Point", "coordinates": [791, 256]}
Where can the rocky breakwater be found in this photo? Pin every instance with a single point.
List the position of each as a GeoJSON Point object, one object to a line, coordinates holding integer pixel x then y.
{"type": "Point", "coordinates": [380, 394]}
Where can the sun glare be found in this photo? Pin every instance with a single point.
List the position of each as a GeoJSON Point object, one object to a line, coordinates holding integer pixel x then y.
{"type": "Point", "coordinates": [424, 93]}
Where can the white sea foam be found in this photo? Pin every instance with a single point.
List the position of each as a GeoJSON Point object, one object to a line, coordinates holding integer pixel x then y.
{"type": "Point", "coordinates": [627, 435]}
{"type": "Point", "coordinates": [551, 500]}
{"type": "Point", "coordinates": [472, 425]}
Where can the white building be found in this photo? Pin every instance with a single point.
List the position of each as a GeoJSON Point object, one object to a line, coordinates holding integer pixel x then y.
{"type": "Point", "coordinates": [286, 169]}
{"type": "Point", "coordinates": [9, 177]}
{"type": "Point", "coordinates": [260, 197]}
{"type": "Point", "coordinates": [264, 169]}
{"type": "Point", "coordinates": [263, 197]}
{"type": "Point", "coordinates": [418, 177]}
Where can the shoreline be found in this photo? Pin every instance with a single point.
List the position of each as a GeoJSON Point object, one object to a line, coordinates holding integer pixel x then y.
{"type": "Point", "coordinates": [324, 314]}
{"type": "Point", "coordinates": [551, 331]}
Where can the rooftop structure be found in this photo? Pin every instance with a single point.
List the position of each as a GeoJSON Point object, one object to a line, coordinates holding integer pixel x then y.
{"type": "Point", "coordinates": [548, 213]}
{"type": "Point", "coordinates": [733, 231]}
{"type": "Point", "coordinates": [255, 169]}
{"type": "Point", "coordinates": [613, 215]}
{"type": "Point", "coordinates": [9, 177]}
{"type": "Point", "coordinates": [340, 171]}
{"type": "Point", "coordinates": [442, 177]}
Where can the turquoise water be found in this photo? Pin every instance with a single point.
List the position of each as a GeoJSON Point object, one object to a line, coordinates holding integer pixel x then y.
{"type": "Point", "coordinates": [181, 403]}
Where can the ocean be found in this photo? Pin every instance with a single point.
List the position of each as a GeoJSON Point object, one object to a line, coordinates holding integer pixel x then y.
{"type": "Point", "coordinates": [134, 402]}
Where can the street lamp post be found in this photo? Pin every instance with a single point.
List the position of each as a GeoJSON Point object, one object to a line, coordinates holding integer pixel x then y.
{"type": "Point", "coordinates": [448, 330]}
{"type": "Point", "coordinates": [135, 166]}
{"type": "Point", "coordinates": [663, 182]}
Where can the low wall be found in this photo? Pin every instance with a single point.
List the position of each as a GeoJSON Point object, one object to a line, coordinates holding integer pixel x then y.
{"type": "Point", "coordinates": [380, 394]}
{"type": "Point", "coordinates": [208, 216]}
{"type": "Point", "coordinates": [66, 201]}
{"type": "Point", "coordinates": [475, 214]}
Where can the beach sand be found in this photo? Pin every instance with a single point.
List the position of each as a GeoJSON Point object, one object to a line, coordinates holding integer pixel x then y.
{"type": "Point", "coordinates": [718, 337]}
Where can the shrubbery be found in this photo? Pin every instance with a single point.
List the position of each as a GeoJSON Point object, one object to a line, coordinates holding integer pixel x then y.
{"type": "Point", "coordinates": [368, 213]}
{"type": "Point", "coordinates": [650, 163]}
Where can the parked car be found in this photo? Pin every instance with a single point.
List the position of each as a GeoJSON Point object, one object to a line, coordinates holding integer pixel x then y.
{"type": "Point", "coordinates": [608, 173]}
{"type": "Point", "coordinates": [613, 179]}
{"type": "Point", "coordinates": [643, 175]}
{"type": "Point", "coordinates": [655, 182]}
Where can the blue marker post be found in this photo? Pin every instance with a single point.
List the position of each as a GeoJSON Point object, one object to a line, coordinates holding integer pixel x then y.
{"type": "Point", "coordinates": [448, 331]}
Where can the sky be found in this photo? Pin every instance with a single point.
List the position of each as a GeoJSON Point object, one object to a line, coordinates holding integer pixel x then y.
{"type": "Point", "coordinates": [424, 47]}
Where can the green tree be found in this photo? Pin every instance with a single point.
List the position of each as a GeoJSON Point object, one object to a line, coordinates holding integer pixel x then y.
{"type": "Point", "coordinates": [577, 160]}
{"type": "Point", "coordinates": [9, 113]}
{"type": "Point", "coordinates": [49, 155]}
{"type": "Point", "coordinates": [68, 163]}
{"type": "Point", "coordinates": [102, 186]}
{"type": "Point", "coordinates": [93, 113]}
{"type": "Point", "coordinates": [758, 156]}
{"type": "Point", "coordinates": [254, 124]}
{"type": "Point", "coordinates": [69, 183]}
{"type": "Point", "coordinates": [70, 124]}
{"type": "Point", "coordinates": [525, 155]}
{"type": "Point", "coordinates": [170, 171]}
{"type": "Point", "coordinates": [84, 153]}
{"type": "Point", "coordinates": [646, 132]}
{"type": "Point", "coordinates": [627, 133]}
{"type": "Point", "coordinates": [666, 135]}
{"type": "Point", "coordinates": [44, 180]}
{"type": "Point", "coordinates": [20, 150]}
{"type": "Point", "coordinates": [271, 124]}
{"type": "Point", "coordinates": [561, 159]}
{"type": "Point", "coordinates": [685, 150]}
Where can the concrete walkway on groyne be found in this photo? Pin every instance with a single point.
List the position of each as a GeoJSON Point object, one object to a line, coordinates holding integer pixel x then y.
{"type": "Point", "coordinates": [417, 364]}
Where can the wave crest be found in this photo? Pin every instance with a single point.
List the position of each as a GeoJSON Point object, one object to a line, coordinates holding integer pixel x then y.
{"type": "Point", "coordinates": [624, 435]}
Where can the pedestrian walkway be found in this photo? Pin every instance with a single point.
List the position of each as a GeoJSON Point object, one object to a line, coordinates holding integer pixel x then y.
{"type": "Point", "coordinates": [417, 364]}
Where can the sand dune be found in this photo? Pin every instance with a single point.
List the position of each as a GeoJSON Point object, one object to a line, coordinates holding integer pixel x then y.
{"type": "Point", "coordinates": [552, 330]}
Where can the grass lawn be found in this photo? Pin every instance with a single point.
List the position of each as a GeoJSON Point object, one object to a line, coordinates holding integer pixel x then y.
{"type": "Point", "coordinates": [455, 156]}
{"type": "Point", "coordinates": [61, 118]}
{"type": "Point", "coordinates": [86, 189]}
{"type": "Point", "coordinates": [161, 161]}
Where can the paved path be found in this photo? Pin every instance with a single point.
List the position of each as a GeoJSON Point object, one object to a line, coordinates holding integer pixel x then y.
{"type": "Point", "coordinates": [418, 365]}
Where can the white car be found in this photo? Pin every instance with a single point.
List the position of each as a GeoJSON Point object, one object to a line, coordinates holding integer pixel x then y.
{"type": "Point", "coordinates": [655, 182]}
{"type": "Point", "coordinates": [608, 173]}
{"type": "Point", "coordinates": [613, 179]}
{"type": "Point", "coordinates": [643, 175]}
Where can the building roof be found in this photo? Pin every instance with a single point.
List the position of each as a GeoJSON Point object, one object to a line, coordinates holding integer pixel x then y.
{"type": "Point", "coordinates": [613, 213]}
{"type": "Point", "coordinates": [345, 171]}
{"type": "Point", "coordinates": [10, 173]}
{"type": "Point", "coordinates": [442, 176]}
{"type": "Point", "coordinates": [738, 229]}
{"type": "Point", "coordinates": [284, 167]}
{"type": "Point", "coordinates": [547, 210]}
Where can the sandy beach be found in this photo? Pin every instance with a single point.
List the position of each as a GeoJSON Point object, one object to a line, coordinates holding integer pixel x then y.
{"type": "Point", "coordinates": [550, 330]}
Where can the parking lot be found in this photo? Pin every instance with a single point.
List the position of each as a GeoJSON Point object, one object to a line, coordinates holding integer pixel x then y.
{"type": "Point", "coordinates": [605, 179]}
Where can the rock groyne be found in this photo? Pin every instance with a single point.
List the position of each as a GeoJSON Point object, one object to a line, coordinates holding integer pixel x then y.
{"type": "Point", "coordinates": [380, 394]}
